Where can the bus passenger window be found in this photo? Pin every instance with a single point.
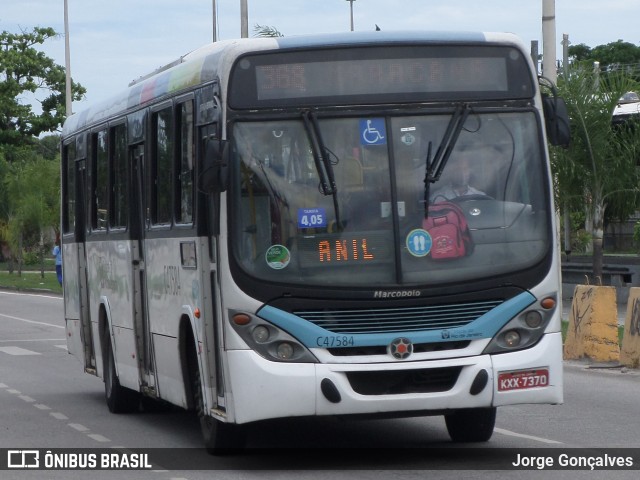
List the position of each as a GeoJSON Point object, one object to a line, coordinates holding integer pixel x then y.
{"type": "Point", "coordinates": [162, 166]}
{"type": "Point", "coordinates": [184, 185]}
{"type": "Point", "coordinates": [69, 190]}
{"type": "Point", "coordinates": [119, 203]}
{"type": "Point", "coordinates": [100, 180]}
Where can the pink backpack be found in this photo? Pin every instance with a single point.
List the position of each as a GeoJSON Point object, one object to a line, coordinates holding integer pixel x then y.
{"type": "Point", "coordinates": [449, 231]}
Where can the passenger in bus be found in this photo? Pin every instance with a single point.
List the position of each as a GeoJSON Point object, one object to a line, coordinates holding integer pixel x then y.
{"type": "Point", "coordinates": [457, 175]}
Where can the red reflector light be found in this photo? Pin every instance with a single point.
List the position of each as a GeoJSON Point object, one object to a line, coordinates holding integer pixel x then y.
{"type": "Point", "coordinates": [548, 303]}
{"type": "Point", "coordinates": [241, 319]}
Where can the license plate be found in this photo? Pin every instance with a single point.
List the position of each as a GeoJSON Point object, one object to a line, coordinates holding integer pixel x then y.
{"type": "Point", "coordinates": [523, 379]}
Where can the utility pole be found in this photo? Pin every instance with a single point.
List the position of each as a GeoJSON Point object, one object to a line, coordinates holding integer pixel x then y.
{"type": "Point", "coordinates": [535, 55]}
{"type": "Point", "coordinates": [351, 7]}
{"type": "Point", "coordinates": [215, 22]}
{"type": "Point", "coordinates": [67, 62]}
{"type": "Point", "coordinates": [549, 40]}
{"type": "Point", "coordinates": [565, 55]}
{"type": "Point", "coordinates": [244, 19]}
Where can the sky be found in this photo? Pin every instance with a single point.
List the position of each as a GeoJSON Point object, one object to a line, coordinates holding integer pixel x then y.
{"type": "Point", "coordinates": [113, 42]}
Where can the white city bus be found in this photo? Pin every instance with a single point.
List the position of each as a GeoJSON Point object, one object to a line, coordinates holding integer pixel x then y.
{"type": "Point", "coordinates": [259, 231]}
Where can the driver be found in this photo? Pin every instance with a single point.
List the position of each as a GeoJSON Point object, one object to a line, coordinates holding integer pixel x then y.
{"type": "Point", "coordinates": [456, 175]}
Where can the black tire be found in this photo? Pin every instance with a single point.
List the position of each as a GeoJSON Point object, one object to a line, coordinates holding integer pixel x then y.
{"type": "Point", "coordinates": [471, 425]}
{"type": "Point", "coordinates": [219, 438]}
{"type": "Point", "coordinates": [119, 399]}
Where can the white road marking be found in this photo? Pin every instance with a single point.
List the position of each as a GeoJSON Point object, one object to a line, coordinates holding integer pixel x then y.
{"type": "Point", "coordinates": [11, 317]}
{"type": "Point", "coordinates": [78, 427]}
{"type": "Point", "coordinates": [34, 340]}
{"type": "Point", "coordinates": [60, 416]}
{"type": "Point", "coordinates": [17, 351]}
{"type": "Point", "coordinates": [528, 437]}
{"type": "Point", "coordinates": [54, 297]}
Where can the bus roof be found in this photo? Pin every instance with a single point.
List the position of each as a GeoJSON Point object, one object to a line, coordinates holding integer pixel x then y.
{"type": "Point", "coordinates": [214, 60]}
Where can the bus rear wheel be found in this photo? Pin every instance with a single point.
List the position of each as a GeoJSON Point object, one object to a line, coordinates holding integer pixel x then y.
{"type": "Point", "coordinates": [119, 399]}
{"type": "Point", "coordinates": [471, 424]}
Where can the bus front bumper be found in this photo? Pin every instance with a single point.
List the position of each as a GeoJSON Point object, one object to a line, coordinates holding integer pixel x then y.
{"type": "Point", "coordinates": [261, 389]}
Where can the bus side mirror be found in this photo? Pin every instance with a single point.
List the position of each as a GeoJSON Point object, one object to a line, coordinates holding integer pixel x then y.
{"type": "Point", "coordinates": [215, 167]}
{"type": "Point", "coordinates": [556, 118]}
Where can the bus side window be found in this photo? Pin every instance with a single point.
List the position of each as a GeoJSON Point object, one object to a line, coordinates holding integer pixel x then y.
{"type": "Point", "coordinates": [100, 181]}
{"type": "Point", "coordinates": [162, 167]}
{"type": "Point", "coordinates": [118, 179]}
{"type": "Point", "coordinates": [184, 168]}
{"type": "Point", "coordinates": [69, 188]}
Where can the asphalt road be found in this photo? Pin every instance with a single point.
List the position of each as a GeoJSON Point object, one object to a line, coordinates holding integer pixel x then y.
{"type": "Point", "coordinates": [48, 402]}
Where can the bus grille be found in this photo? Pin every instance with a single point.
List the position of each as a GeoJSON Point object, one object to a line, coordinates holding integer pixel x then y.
{"type": "Point", "coordinates": [399, 319]}
{"type": "Point", "coordinates": [430, 380]}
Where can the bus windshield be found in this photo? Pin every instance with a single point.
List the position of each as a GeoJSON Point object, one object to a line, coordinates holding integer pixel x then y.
{"type": "Point", "coordinates": [371, 230]}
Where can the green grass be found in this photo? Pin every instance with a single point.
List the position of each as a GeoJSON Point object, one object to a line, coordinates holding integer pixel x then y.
{"type": "Point", "coordinates": [30, 280]}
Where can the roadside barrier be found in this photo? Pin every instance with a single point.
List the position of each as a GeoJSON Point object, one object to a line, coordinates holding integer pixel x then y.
{"type": "Point", "coordinates": [630, 352]}
{"type": "Point", "coordinates": [593, 325]}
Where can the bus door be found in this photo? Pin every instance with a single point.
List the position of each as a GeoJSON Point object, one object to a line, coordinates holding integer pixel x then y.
{"type": "Point", "coordinates": [81, 340]}
{"type": "Point", "coordinates": [212, 326]}
{"type": "Point", "coordinates": [144, 350]}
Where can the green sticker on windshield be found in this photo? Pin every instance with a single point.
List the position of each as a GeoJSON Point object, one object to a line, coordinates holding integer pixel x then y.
{"type": "Point", "coordinates": [278, 257]}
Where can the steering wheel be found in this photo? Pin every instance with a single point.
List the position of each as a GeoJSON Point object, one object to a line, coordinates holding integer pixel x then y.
{"type": "Point", "coordinates": [473, 196]}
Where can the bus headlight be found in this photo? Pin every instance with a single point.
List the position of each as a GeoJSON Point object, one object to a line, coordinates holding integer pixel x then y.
{"type": "Point", "coordinates": [285, 351]}
{"type": "Point", "coordinates": [260, 334]}
{"type": "Point", "coordinates": [512, 338]}
{"type": "Point", "coordinates": [268, 340]}
{"type": "Point", "coordinates": [525, 329]}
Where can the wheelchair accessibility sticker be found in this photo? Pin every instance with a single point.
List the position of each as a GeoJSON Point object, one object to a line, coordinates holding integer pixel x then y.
{"type": "Point", "coordinates": [372, 131]}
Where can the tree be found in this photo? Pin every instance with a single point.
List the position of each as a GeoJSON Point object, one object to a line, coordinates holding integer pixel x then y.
{"type": "Point", "coordinates": [266, 31]}
{"type": "Point", "coordinates": [612, 56]}
{"type": "Point", "coordinates": [25, 74]}
{"type": "Point", "coordinates": [31, 205]}
{"type": "Point", "coordinates": [600, 168]}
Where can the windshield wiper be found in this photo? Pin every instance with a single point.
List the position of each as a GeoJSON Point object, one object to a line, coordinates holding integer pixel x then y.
{"type": "Point", "coordinates": [320, 156]}
{"type": "Point", "coordinates": [435, 166]}
{"type": "Point", "coordinates": [322, 160]}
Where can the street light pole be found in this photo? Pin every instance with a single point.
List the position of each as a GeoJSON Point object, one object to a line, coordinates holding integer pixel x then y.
{"type": "Point", "coordinates": [549, 40]}
{"type": "Point", "coordinates": [215, 22]}
{"type": "Point", "coordinates": [244, 19]}
{"type": "Point", "coordinates": [351, 7]}
{"type": "Point", "coordinates": [67, 62]}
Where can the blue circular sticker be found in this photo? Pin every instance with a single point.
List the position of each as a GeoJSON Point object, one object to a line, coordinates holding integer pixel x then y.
{"type": "Point", "coordinates": [419, 242]}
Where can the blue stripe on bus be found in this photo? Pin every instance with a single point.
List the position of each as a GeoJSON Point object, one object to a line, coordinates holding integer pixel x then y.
{"type": "Point", "coordinates": [313, 336]}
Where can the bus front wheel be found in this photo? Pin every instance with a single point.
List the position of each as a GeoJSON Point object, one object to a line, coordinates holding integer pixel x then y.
{"type": "Point", "coordinates": [471, 424]}
{"type": "Point", "coordinates": [119, 399]}
{"type": "Point", "coordinates": [219, 438]}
